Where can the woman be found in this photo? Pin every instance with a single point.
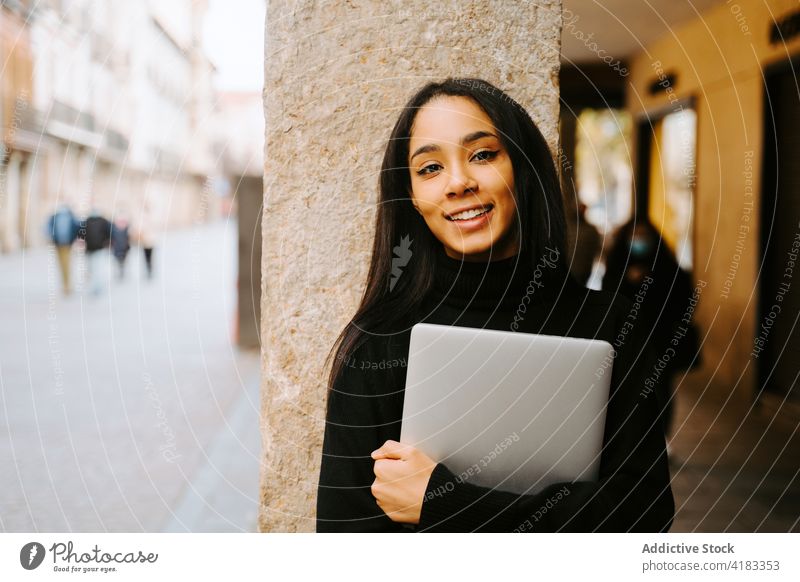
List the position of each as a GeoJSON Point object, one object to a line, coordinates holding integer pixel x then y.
{"type": "Point", "coordinates": [470, 232]}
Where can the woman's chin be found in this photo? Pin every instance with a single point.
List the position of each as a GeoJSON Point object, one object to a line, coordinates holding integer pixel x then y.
{"type": "Point", "coordinates": [478, 252]}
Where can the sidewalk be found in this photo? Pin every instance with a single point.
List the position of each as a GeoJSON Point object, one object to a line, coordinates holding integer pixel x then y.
{"type": "Point", "coordinates": [734, 468]}
{"type": "Point", "coordinates": [131, 411]}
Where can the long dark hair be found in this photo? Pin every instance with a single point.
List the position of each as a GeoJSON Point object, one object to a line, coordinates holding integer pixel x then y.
{"type": "Point", "coordinates": [389, 302]}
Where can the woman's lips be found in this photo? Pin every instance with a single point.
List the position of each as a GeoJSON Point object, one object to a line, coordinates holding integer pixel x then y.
{"type": "Point", "coordinates": [473, 224]}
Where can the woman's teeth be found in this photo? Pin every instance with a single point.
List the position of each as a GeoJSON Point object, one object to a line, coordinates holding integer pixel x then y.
{"type": "Point", "coordinates": [467, 214]}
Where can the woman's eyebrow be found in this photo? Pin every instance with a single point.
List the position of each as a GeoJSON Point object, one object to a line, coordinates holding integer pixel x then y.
{"type": "Point", "coordinates": [469, 138]}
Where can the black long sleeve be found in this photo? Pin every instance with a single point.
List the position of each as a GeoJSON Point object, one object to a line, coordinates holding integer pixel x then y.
{"type": "Point", "coordinates": [363, 413]}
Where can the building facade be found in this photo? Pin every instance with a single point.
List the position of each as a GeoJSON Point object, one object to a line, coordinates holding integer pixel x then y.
{"type": "Point", "coordinates": [727, 66]}
{"type": "Point", "coordinates": [710, 92]}
{"type": "Point", "coordinates": [105, 110]}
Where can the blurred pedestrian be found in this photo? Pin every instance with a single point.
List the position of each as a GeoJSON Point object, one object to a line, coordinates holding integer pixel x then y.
{"type": "Point", "coordinates": [146, 239]}
{"type": "Point", "coordinates": [642, 267]}
{"type": "Point", "coordinates": [62, 228]}
{"type": "Point", "coordinates": [120, 243]}
{"type": "Point", "coordinates": [97, 235]}
{"type": "Point", "coordinates": [583, 244]}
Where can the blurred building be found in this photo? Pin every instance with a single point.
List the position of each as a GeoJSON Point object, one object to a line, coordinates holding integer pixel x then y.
{"type": "Point", "coordinates": [239, 130]}
{"type": "Point", "coordinates": [707, 91]}
{"type": "Point", "coordinates": [20, 129]}
{"type": "Point", "coordinates": [107, 106]}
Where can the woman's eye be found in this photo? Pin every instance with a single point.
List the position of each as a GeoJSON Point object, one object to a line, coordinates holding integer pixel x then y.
{"type": "Point", "coordinates": [484, 155]}
{"type": "Point", "coordinates": [429, 169]}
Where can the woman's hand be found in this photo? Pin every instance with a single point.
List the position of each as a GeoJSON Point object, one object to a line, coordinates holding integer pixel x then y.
{"type": "Point", "coordinates": [401, 477]}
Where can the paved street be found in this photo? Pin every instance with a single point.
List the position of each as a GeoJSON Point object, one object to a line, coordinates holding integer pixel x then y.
{"type": "Point", "coordinates": [132, 410]}
{"type": "Point", "coordinates": [734, 467]}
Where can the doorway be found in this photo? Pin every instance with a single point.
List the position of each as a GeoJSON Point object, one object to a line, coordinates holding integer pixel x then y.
{"type": "Point", "coordinates": [779, 303]}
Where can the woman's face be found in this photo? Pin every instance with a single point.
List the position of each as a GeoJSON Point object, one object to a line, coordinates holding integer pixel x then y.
{"type": "Point", "coordinates": [462, 182]}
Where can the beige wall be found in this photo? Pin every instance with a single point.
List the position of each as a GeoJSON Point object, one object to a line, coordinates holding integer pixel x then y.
{"type": "Point", "coordinates": [719, 60]}
{"type": "Point", "coordinates": [336, 74]}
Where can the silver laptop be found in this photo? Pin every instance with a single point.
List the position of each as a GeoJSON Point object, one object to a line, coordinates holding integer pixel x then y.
{"type": "Point", "coordinates": [507, 410]}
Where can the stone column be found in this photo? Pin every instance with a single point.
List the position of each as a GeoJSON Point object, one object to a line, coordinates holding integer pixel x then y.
{"type": "Point", "coordinates": [337, 74]}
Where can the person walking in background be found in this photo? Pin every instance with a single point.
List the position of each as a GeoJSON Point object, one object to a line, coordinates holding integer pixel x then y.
{"type": "Point", "coordinates": [120, 243]}
{"type": "Point", "coordinates": [146, 238]}
{"type": "Point", "coordinates": [62, 228]}
{"type": "Point", "coordinates": [641, 267]}
{"type": "Point", "coordinates": [97, 235]}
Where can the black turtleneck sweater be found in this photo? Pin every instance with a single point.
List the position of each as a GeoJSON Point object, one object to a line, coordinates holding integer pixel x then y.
{"type": "Point", "coordinates": [366, 405]}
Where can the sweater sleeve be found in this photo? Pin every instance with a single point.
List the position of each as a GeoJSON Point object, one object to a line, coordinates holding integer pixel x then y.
{"type": "Point", "coordinates": [361, 416]}
{"type": "Point", "coordinates": [633, 492]}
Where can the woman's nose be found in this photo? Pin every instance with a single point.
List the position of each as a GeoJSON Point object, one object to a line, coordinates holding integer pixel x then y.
{"type": "Point", "coordinates": [461, 182]}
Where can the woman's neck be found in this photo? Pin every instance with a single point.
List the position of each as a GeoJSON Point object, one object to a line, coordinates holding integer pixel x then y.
{"type": "Point", "coordinates": [480, 284]}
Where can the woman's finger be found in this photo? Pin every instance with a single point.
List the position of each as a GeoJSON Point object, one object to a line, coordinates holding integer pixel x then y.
{"type": "Point", "coordinates": [391, 450]}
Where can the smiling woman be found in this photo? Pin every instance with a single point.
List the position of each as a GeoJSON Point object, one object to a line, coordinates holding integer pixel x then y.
{"type": "Point", "coordinates": [470, 205]}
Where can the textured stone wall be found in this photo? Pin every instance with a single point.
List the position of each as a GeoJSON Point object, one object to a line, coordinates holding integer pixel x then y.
{"type": "Point", "coordinates": [337, 73]}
